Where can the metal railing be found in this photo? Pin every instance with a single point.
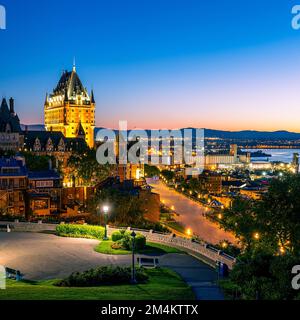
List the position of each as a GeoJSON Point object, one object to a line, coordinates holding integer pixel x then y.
{"type": "Point", "coordinates": [210, 254]}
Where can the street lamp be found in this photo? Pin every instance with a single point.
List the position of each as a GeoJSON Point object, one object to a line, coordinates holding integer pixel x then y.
{"type": "Point", "coordinates": [133, 276]}
{"type": "Point", "coordinates": [189, 232]}
{"type": "Point", "coordinates": [256, 236]}
{"type": "Point", "coordinates": [105, 211]}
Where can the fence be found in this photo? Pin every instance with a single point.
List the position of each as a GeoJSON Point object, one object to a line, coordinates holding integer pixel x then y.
{"type": "Point", "coordinates": [27, 226]}
{"type": "Point", "coordinates": [2, 278]}
{"type": "Point", "coordinates": [200, 250]}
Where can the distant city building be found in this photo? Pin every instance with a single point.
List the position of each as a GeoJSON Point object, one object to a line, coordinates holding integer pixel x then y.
{"type": "Point", "coordinates": [129, 171]}
{"type": "Point", "coordinates": [70, 109]}
{"type": "Point", "coordinates": [231, 160]}
{"type": "Point", "coordinates": [11, 136]}
{"type": "Point", "coordinates": [211, 182]}
{"type": "Point", "coordinates": [260, 165]}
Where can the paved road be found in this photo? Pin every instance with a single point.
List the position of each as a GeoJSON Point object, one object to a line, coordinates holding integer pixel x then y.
{"type": "Point", "coordinates": [191, 214]}
{"type": "Point", "coordinates": [43, 256]}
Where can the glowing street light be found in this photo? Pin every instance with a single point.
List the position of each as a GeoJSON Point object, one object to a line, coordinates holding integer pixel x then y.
{"type": "Point", "coordinates": [105, 211]}
{"type": "Point", "coordinates": [224, 245]}
{"type": "Point", "coordinates": [256, 236]}
{"type": "Point", "coordinates": [282, 250]}
{"type": "Point", "coordinates": [133, 275]}
{"type": "Point", "coordinates": [189, 232]}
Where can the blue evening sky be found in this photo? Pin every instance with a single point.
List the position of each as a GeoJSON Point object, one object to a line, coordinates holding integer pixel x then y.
{"type": "Point", "coordinates": [158, 63]}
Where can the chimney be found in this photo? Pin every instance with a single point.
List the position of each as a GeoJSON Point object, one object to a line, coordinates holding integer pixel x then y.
{"type": "Point", "coordinates": [11, 105]}
{"type": "Point", "coordinates": [26, 129]}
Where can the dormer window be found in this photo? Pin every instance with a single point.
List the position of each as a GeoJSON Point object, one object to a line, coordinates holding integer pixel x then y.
{"type": "Point", "coordinates": [37, 145]}
{"type": "Point", "coordinates": [8, 128]}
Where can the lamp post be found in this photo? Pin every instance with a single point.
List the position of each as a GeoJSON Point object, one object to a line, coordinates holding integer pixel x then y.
{"type": "Point", "coordinates": [105, 211]}
{"type": "Point", "coordinates": [133, 277]}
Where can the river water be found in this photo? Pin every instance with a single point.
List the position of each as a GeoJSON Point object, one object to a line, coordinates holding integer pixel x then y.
{"type": "Point", "coordinates": [282, 155]}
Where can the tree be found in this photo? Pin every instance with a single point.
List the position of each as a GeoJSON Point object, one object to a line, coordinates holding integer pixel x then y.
{"type": "Point", "coordinates": [279, 213]}
{"type": "Point", "coordinates": [194, 184]}
{"type": "Point", "coordinates": [125, 209]}
{"type": "Point", "coordinates": [169, 175]}
{"type": "Point", "coordinates": [151, 171]}
{"type": "Point", "coordinates": [86, 170]}
{"type": "Point", "coordinates": [264, 269]}
{"type": "Point", "coordinates": [241, 219]}
{"type": "Point", "coordinates": [262, 275]}
{"type": "Point", "coordinates": [38, 163]}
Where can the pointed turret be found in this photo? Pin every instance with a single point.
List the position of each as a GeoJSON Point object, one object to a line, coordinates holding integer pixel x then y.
{"type": "Point", "coordinates": [74, 64]}
{"type": "Point", "coordinates": [46, 99]}
{"type": "Point", "coordinates": [12, 106]}
{"type": "Point", "coordinates": [92, 97]}
{"type": "Point", "coordinates": [9, 121]}
{"type": "Point", "coordinates": [4, 106]}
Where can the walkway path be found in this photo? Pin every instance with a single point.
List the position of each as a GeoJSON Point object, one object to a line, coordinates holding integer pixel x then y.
{"type": "Point", "coordinates": [191, 214]}
{"type": "Point", "coordinates": [45, 256]}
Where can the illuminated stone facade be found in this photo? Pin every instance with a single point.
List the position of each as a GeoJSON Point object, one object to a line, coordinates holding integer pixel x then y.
{"type": "Point", "coordinates": [70, 109]}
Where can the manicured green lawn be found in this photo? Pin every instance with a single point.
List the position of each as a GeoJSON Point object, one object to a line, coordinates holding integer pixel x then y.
{"type": "Point", "coordinates": [163, 284]}
{"type": "Point", "coordinates": [151, 249]}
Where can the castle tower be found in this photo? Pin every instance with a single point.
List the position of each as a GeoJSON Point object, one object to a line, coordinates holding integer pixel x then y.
{"type": "Point", "coordinates": [70, 107]}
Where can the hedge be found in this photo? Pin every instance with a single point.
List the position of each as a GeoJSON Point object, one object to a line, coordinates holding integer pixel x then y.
{"type": "Point", "coordinates": [102, 276]}
{"type": "Point", "coordinates": [80, 231]}
{"type": "Point", "coordinates": [124, 239]}
{"type": "Point", "coordinates": [117, 235]}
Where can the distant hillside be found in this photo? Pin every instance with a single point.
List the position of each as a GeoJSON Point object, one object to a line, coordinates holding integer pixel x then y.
{"type": "Point", "coordinates": [33, 127]}
{"type": "Point", "coordinates": [252, 135]}
{"type": "Point", "coordinates": [245, 135]}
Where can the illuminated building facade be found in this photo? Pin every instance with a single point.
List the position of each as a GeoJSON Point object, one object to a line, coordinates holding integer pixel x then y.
{"type": "Point", "coordinates": [70, 109]}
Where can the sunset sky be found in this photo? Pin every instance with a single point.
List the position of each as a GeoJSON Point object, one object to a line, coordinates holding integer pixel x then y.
{"type": "Point", "coordinates": [217, 64]}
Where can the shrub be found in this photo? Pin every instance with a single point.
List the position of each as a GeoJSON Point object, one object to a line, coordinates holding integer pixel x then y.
{"type": "Point", "coordinates": [117, 235]}
{"type": "Point", "coordinates": [140, 241]}
{"type": "Point", "coordinates": [80, 231]}
{"type": "Point", "coordinates": [102, 276]}
{"type": "Point", "coordinates": [123, 239]}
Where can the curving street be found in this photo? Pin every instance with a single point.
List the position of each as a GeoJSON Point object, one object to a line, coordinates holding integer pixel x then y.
{"type": "Point", "coordinates": [44, 256]}
{"type": "Point", "coordinates": [191, 214]}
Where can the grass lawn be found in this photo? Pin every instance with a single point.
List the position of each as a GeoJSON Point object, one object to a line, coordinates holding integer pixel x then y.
{"type": "Point", "coordinates": [151, 249]}
{"type": "Point", "coordinates": [163, 284]}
